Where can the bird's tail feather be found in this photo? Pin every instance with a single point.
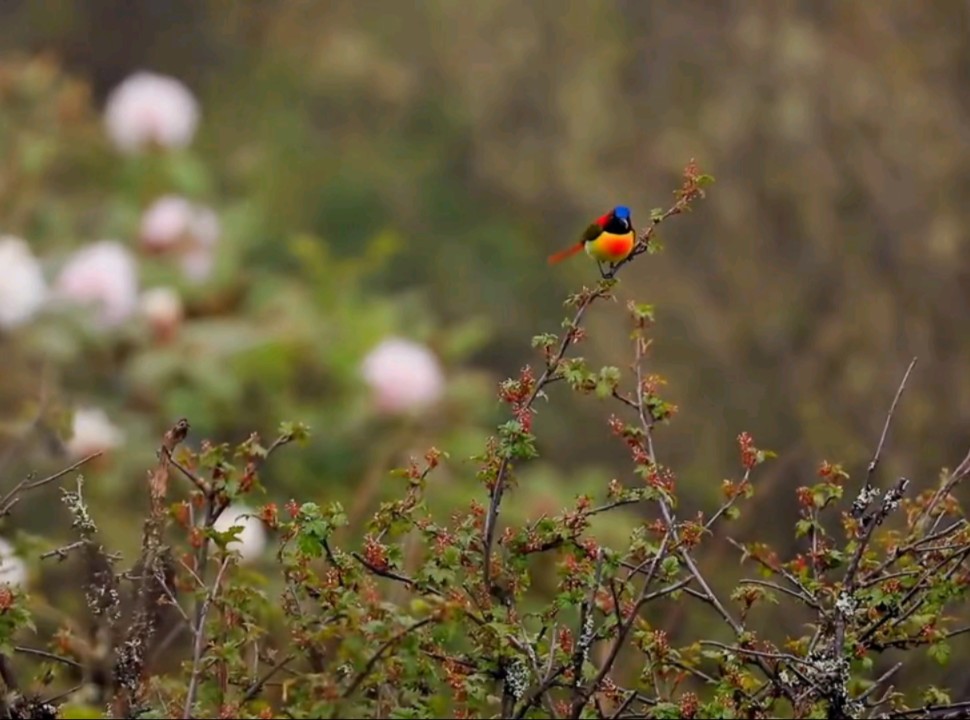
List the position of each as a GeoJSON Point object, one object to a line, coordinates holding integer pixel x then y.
{"type": "Point", "coordinates": [563, 254]}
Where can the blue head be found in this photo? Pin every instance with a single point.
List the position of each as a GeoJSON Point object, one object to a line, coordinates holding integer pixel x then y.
{"type": "Point", "coordinates": [619, 220]}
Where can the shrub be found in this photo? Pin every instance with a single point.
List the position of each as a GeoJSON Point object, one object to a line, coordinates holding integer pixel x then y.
{"type": "Point", "coordinates": [436, 616]}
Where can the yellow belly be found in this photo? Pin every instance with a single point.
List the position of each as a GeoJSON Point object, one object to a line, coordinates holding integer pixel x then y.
{"type": "Point", "coordinates": [611, 248]}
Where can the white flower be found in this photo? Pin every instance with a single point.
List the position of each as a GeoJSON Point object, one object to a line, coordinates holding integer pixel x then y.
{"type": "Point", "coordinates": [92, 432]}
{"type": "Point", "coordinates": [173, 223]}
{"type": "Point", "coordinates": [166, 223]}
{"type": "Point", "coordinates": [162, 307]}
{"type": "Point", "coordinates": [104, 274]}
{"type": "Point", "coordinates": [252, 538]}
{"type": "Point", "coordinates": [22, 286]}
{"type": "Point", "coordinates": [403, 375]}
{"type": "Point", "coordinates": [13, 570]}
{"type": "Point", "coordinates": [149, 109]}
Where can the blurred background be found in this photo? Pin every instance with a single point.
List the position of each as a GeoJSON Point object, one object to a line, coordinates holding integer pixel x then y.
{"type": "Point", "coordinates": [338, 213]}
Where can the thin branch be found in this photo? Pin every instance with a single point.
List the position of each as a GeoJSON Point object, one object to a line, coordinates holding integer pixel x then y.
{"type": "Point", "coordinates": [584, 635]}
{"type": "Point", "coordinates": [253, 690]}
{"type": "Point", "coordinates": [624, 705]}
{"type": "Point", "coordinates": [874, 463]}
{"type": "Point", "coordinates": [624, 629]}
{"type": "Point", "coordinates": [376, 657]}
{"type": "Point", "coordinates": [927, 709]}
{"type": "Point", "coordinates": [871, 523]}
{"type": "Point", "coordinates": [882, 678]}
{"type": "Point", "coordinates": [12, 497]}
{"type": "Point", "coordinates": [48, 656]}
{"type": "Point", "coordinates": [61, 552]}
{"type": "Point", "coordinates": [758, 653]}
{"type": "Point", "coordinates": [201, 484]}
{"type": "Point", "coordinates": [782, 589]}
{"type": "Point", "coordinates": [391, 575]}
{"type": "Point", "coordinates": [200, 637]}
{"type": "Point", "coordinates": [58, 475]}
{"type": "Point", "coordinates": [549, 375]}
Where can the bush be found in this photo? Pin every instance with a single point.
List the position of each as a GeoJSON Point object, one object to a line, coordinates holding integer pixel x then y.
{"type": "Point", "coordinates": [450, 614]}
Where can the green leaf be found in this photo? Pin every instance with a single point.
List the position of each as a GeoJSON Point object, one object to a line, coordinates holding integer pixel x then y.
{"type": "Point", "coordinates": [940, 652]}
{"type": "Point", "coordinates": [545, 340]}
{"type": "Point", "coordinates": [607, 382]}
{"type": "Point", "coordinates": [665, 710]}
{"type": "Point", "coordinates": [642, 311]}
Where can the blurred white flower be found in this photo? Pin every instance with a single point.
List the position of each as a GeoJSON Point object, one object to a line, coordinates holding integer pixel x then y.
{"type": "Point", "coordinates": [92, 432]}
{"type": "Point", "coordinates": [104, 274]}
{"type": "Point", "coordinates": [13, 570]}
{"type": "Point", "coordinates": [166, 223]}
{"type": "Point", "coordinates": [252, 538]}
{"type": "Point", "coordinates": [197, 264]}
{"type": "Point", "coordinates": [22, 286]}
{"type": "Point", "coordinates": [173, 223]}
{"type": "Point", "coordinates": [150, 109]}
{"type": "Point", "coordinates": [403, 376]}
{"type": "Point", "coordinates": [162, 307]}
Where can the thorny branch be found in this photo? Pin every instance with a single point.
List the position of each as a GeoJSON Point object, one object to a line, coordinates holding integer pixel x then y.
{"type": "Point", "coordinates": [550, 374]}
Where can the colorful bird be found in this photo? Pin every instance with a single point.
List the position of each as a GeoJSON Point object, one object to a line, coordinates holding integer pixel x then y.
{"type": "Point", "coordinates": [610, 239]}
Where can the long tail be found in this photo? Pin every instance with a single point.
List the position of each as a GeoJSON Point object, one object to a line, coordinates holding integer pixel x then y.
{"type": "Point", "coordinates": [563, 254]}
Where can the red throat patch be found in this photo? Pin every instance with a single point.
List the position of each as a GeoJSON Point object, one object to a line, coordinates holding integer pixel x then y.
{"type": "Point", "coordinates": [619, 246]}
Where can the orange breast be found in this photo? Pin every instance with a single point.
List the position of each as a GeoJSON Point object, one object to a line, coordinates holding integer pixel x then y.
{"type": "Point", "coordinates": [612, 248]}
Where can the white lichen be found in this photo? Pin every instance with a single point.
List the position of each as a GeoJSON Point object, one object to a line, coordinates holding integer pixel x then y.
{"type": "Point", "coordinates": [517, 679]}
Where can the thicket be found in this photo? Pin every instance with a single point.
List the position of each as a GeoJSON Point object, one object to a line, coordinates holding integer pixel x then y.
{"type": "Point", "coordinates": [466, 614]}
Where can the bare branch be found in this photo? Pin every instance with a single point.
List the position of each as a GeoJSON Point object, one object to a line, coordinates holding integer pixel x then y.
{"type": "Point", "coordinates": [874, 463]}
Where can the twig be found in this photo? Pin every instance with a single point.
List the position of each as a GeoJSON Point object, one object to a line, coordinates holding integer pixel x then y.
{"type": "Point", "coordinates": [758, 653]}
{"type": "Point", "coordinates": [391, 575]}
{"type": "Point", "coordinates": [585, 634]}
{"type": "Point", "coordinates": [540, 691]}
{"type": "Point", "coordinates": [874, 463]}
{"type": "Point", "coordinates": [961, 471]}
{"type": "Point", "coordinates": [782, 589]}
{"type": "Point", "coordinates": [625, 629]}
{"type": "Point", "coordinates": [498, 488]}
{"type": "Point", "coordinates": [548, 375]}
{"type": "Point", "coordinates": [200, 637]}
{"type": "Point", "coordinates": [375, 658]}
{"type": "Point", "coordinates": [47, 656]}
{"type": "Point", "coordinates": [253, 690]}
{"type": "Point", "coordinates": [130, 656]}
{"type": "Point", "coordinates": [849, 582]}
{"type": "Point", "coordinates": [61, 552]}
{"type": "Point", "coordinates": [927, 709]}
{"type": "Point", "coordinates": [201, 484]}
{"type": "Point", "coordinates": [11, 498]}
{"type": "Point", "coordinates": [882, 678]}
{"type": "Point", "coordinates": [58, 475]}
{"type": "Point", "coordinates": [625, 704]}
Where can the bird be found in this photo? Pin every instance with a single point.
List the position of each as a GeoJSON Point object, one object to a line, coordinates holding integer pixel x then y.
{"type": "Point", "coordinates": [610, 239]}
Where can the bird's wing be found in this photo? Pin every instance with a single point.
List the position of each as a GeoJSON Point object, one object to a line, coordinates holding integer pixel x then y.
{"type": "Point", "coordinates": [592, 232]}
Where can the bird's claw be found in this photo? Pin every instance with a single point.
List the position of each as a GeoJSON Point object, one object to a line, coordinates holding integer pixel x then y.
{"type": "Point", "coordinates": [609, 273]}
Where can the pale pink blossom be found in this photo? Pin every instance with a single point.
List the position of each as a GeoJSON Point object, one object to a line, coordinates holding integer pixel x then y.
{"type": "Point", "coordinates": [167, 223]}
{"type": "Point", "coordinates": [13, 570]}
{"type": "Point", "coordinates": [403, 376]}
{"type": "Point", "coordinates": [251, 539]}
{"type": "Point", "coordinates": [162, 307]}
{"type": "Point", "coordinates": [173, 224]}
{"type": "Point", "coordinates": [103, 275]}
{"type": "Point", "coordinates": [92, 431]}
{"type": "Point", "coordinates": [22, 286]}
{"type": "Point", "coordinates": [150, 110]}
{"type": "Point", "coordinates": [197, 264]}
